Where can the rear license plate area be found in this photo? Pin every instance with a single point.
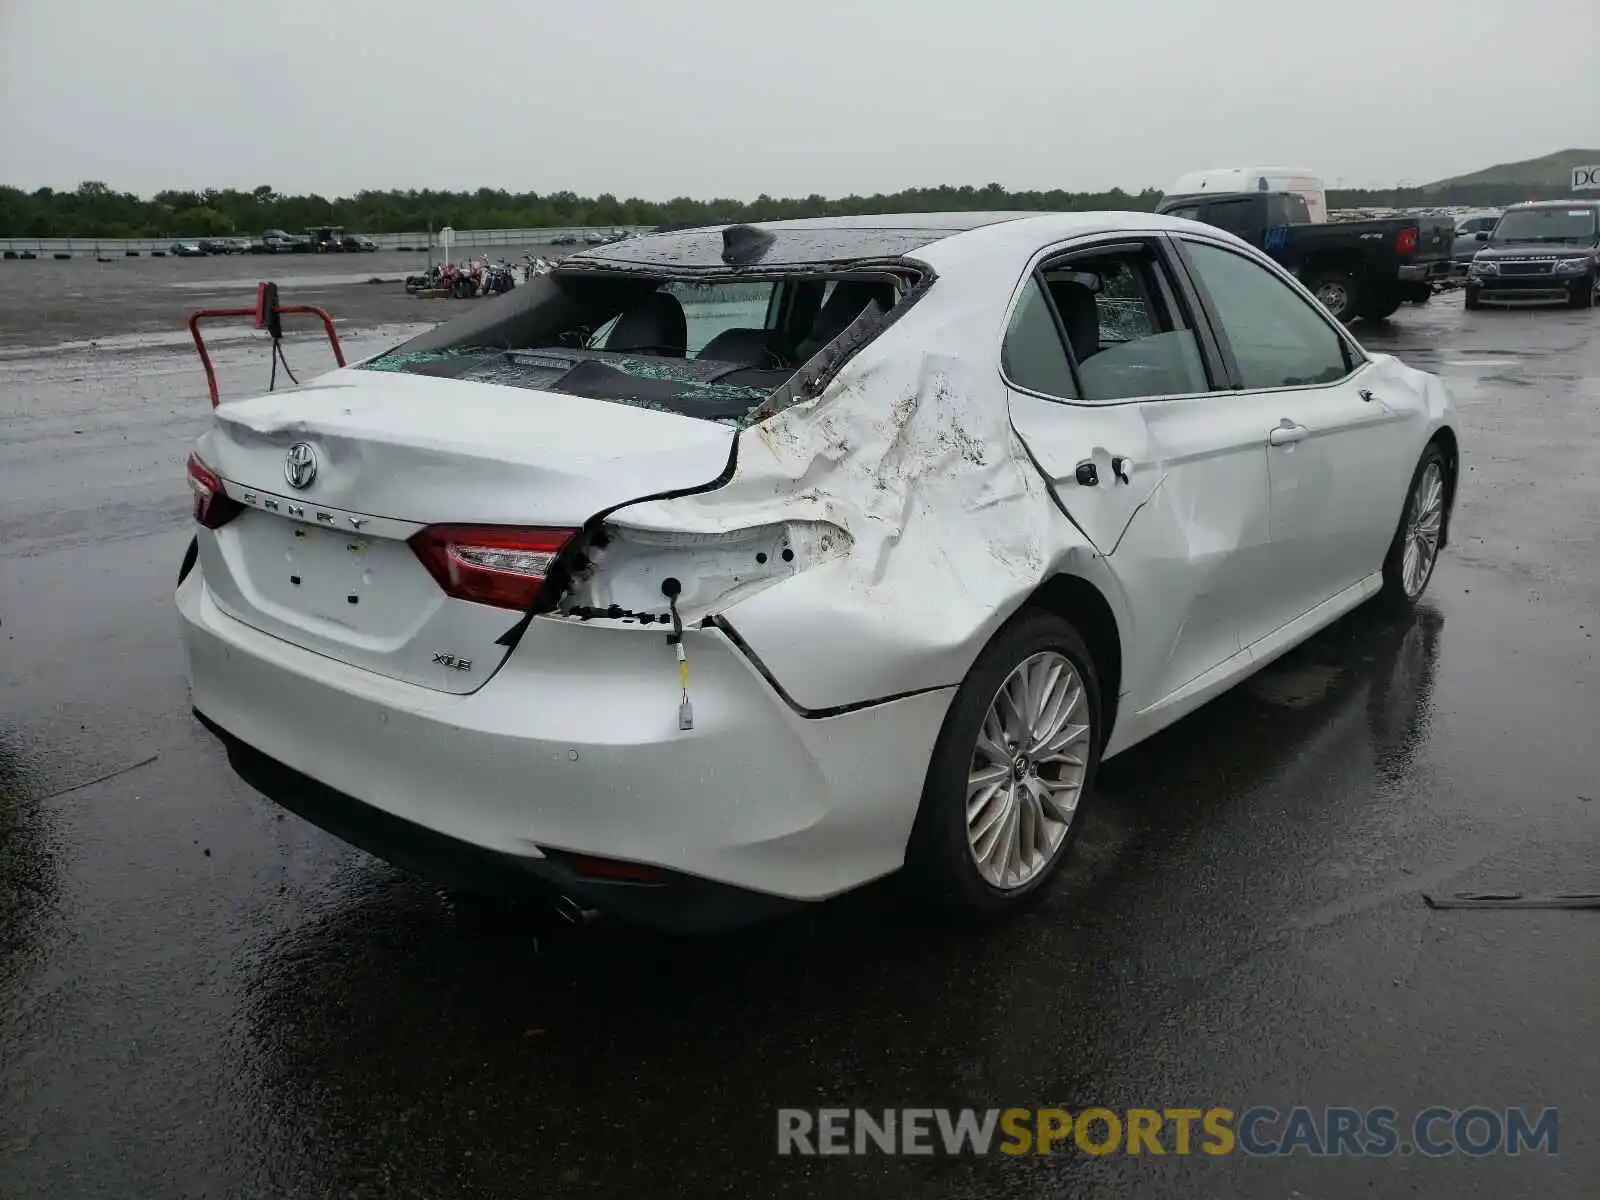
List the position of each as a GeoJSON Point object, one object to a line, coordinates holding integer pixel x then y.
{"type": "Point", "coordinates": [349, 580]}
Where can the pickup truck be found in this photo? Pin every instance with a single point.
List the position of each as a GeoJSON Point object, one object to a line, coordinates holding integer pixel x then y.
{"type": "Point", "coordinates": [1355, 268]}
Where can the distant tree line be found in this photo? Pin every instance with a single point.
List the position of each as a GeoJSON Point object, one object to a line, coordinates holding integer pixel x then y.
{"type": "Point", "coordinates": [94, 210]}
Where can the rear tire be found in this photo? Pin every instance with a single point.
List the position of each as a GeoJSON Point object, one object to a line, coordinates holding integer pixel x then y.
{"type": "Point", "coordinates": [1414, 551]}
{"type": "Point", "coordinates": [1338, 292]}
{"type": "Point", "coordinates": [1005, 791]}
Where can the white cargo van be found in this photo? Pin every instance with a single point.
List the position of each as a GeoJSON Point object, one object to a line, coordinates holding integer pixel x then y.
{"type": "Point", "coordinates": [1298, 180]}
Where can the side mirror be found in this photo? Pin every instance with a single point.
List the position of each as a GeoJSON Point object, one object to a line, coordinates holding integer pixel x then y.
{"type": "Point", "coordinates": [1482, 235]}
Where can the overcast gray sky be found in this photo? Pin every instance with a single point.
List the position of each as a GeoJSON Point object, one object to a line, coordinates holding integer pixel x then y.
{"type": "Point", "coordinates": [657, 98]}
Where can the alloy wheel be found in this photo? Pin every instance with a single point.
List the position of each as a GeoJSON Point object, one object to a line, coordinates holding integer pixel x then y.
{"type": "Point", "coordinates": [1424, 517]}
{"type": "Point", "coordinates": [1027, 770]}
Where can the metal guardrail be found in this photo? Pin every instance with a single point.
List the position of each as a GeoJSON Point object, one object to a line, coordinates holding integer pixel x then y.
{"type": "Point", "coordinates": [91, 247]}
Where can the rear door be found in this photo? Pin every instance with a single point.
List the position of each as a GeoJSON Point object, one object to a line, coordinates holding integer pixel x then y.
{"type": "Point", "coordinates": [1339, 455]}
{"type": "Point", "coordinates": [1162, 469]}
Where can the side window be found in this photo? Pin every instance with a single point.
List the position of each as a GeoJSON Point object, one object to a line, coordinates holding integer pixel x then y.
{"type": "Point", "coordinates": [1032, 355]}
{"type": "Point", "coordinates": [1122, 327]}
{"type": "Point", "coordinates": [1189, 212]}
{"type": "Point", "coordinates": [1278, 338]}
{"type": "Point", "coordinates": [712, 308]}
{"type": "Point", "coordinates": [1287, 209]}
{"type": "Point", "coordinates": [1232, 215]}
{"type": "Point", "coordinates": [1125, 310]}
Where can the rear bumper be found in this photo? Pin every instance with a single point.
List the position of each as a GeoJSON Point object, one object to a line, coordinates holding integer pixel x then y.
{"type": "Point", "coordinates": [1422, 272]}
{"type": "Point", "coordinates": [679, 903]}
{"type": "Point", "coordinates": [573, 746]}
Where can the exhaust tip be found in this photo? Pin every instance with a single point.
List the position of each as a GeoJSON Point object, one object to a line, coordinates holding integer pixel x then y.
{"type": "Point", "coordinates": [574, 913]}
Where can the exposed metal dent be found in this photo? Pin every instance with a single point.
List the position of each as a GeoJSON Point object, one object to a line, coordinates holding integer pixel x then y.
{"type": "Point", "coordinates": [561, 570]}
{"type": "Point", "coordinates": [914, 458]}
{"type": "Point", "coordinates": [643, 575]}
{"type": "Point", "coordinates": [1049, 485]}
{"type": "Point", "coordinates": [812, 714]}
{"type": "Point", "coordinates": [1139, 508]}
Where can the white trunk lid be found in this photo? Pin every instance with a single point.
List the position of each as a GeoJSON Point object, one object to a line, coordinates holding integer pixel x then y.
{"type": "Point", "coordinates": [326, 565]}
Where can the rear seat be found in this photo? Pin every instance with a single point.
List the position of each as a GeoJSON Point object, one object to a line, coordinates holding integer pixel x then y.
{"type": "Point", "coordinates": [746, 347]}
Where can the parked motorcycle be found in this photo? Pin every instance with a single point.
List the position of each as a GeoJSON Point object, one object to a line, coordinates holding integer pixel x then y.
{"type": "Point", "coordinates": [477, 278]}
{"type": "Point", "coordinates": [498, 278]}
{"type": "Point", "coordinates": [426, 281]}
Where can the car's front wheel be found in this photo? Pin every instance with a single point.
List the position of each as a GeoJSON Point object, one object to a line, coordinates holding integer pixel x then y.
{"type": "Point", "coordinates": [1016, 758]}
{"type": "Point", "coordinates": [1415, 548]}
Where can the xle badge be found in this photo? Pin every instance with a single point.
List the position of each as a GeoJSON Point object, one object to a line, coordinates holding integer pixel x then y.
{"type": "Point", "coordinates": [451, 661]}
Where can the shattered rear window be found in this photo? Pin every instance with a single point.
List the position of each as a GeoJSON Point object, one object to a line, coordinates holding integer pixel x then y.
{"type": "Point", "coordinates": [686, 386]}
{"type": "Point", "coordinates": [726, 350]}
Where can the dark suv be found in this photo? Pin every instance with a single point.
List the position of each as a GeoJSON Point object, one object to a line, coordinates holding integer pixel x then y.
{"type": "Point", "coordinates": [1546, 252]}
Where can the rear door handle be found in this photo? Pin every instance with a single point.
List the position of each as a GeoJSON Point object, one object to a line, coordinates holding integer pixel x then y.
{"type": "Point", "coordinates": [1283, 435]}
{"type": "Point", "coordinates": [1088, 474]}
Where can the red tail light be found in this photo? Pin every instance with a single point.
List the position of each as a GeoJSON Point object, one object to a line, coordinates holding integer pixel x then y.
{"type": "Point", "coordinates": [1405, 242]}
{"type": "Point", "coordinates": [490, 564]}
{"type": "Point", "coordinates": [213, 507]}
{"type": "Point", "coordinates": [614, 868]}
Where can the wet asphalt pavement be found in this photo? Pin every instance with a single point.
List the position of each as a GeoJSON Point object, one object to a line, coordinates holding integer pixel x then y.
{"type": "Point", "coordinates": [202, 996]}
{"type": "Point", "coordinates": [140, 301]}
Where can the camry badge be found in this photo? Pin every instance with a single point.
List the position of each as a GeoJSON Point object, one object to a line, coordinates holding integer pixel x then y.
{"type": "Point", "coordinates": [300, 465]}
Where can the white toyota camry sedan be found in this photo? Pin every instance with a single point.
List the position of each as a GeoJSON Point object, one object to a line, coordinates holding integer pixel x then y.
{"type": "Point", "coordinates": [722, 570]}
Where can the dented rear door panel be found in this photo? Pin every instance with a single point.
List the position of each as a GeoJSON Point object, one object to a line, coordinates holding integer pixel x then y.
{"type": "Point", "coordinates": [1188, 535]}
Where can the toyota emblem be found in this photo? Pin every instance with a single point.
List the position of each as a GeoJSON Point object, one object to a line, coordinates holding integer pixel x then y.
{"type": "Point", "coordinates": [300, 465]}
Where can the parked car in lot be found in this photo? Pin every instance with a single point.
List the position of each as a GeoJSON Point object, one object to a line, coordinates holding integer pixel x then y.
{"type": "Point", "coordinates": [719, 571]}
{"type": "Point", "coordinates": [325, 239]}
{"type": "Point", "coordinates": [1467, 243]}
{"type": "Point", "coordinates": [357, 243]}
{"type": "Point", "coordinates": [186, 249]}
{"type": "Point", "coordinates": [1355, 268]}
{"type": "Point", "coordinates": [276, 241]}
{"type": "Point", "coordinates": [225, 245]}
{"type": "Point", "coordinates": [1547, 252]}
